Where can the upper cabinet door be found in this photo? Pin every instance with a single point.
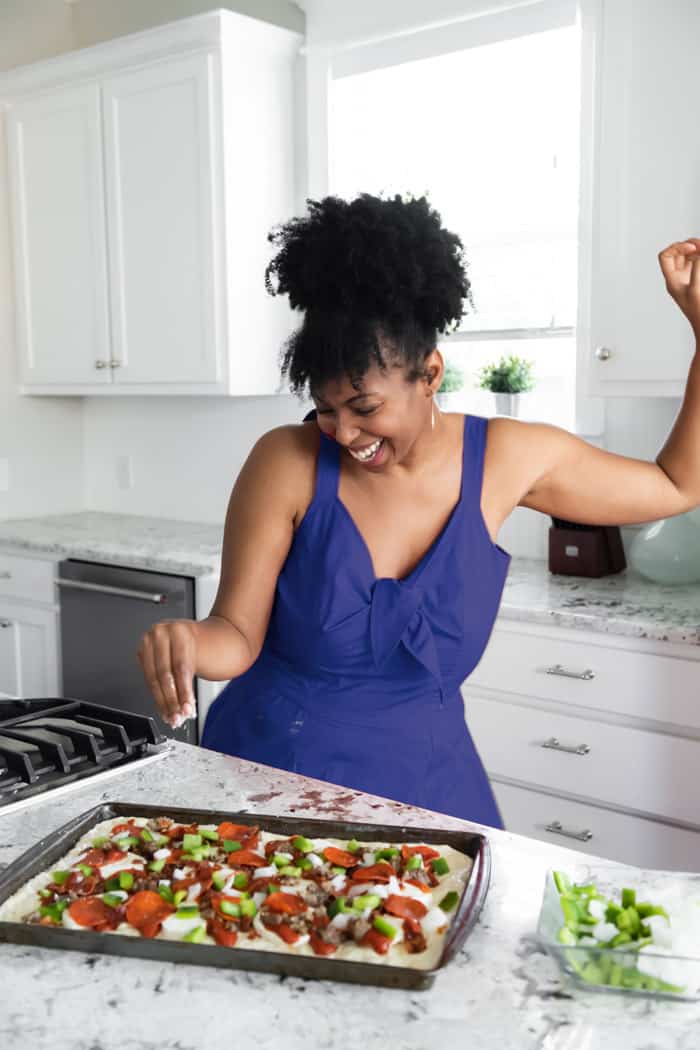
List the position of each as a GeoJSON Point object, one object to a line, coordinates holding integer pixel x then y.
{"type": "Point", "coordinates": [645, 194]}
{"type": "Point", "coordinates": [164, 223]}
{"type": "Point", "coordinates": [57, 198]}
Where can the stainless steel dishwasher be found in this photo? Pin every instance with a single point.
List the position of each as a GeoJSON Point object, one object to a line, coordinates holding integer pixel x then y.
{"type": "Point", "coordinates": [105, 609]}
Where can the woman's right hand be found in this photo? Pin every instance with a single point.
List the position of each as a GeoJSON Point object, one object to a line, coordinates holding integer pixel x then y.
{"type": "Point", "coordinates": [168, 657]}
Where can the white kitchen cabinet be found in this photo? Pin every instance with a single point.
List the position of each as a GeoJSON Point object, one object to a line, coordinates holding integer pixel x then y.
{"type": "Point", "coordinates": [59, 236]}
{"type": "Point", "coordinates": [597, 733]}
{"type": "Point", "coordinates": [601, 832]}
{"type": "Point", "coordinates": [28, 650]}
{"type": "Point", "coordinates": [145, 176]}
{"type": "Point", "coordinates": [643, 169]}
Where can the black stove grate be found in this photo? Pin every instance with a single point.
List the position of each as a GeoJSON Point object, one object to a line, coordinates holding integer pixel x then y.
{"type": "Point", "coordinates": [47, 743]}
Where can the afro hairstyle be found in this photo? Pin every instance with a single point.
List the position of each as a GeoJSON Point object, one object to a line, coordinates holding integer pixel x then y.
{"type": "Point", "coordinates": [377, 279]}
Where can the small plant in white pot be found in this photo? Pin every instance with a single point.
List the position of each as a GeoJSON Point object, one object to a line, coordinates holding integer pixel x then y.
{"type": "Point", "coordinates": [507, 379]}
{"type": "Point", "coordinates": [452, 382]}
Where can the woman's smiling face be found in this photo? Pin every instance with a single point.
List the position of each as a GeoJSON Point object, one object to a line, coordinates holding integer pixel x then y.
{"type": "Point", "coordinates": [379, 420]}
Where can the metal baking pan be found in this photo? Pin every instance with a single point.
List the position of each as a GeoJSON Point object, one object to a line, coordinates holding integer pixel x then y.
{"type": "Point", "coordinates": [52, 847]}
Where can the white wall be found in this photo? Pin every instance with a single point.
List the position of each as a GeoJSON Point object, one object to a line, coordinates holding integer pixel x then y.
{"type": "Point", "coordinates": [40, 440]}
{"type": "Point", "coordinates": [186, 451]}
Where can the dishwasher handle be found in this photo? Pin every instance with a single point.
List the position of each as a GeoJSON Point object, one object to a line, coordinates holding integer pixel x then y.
{"type": "Point", "coordinates": [116, 592]}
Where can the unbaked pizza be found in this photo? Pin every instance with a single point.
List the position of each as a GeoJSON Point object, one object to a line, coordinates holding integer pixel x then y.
{"type": "Point", "coordinates": [239, 885]}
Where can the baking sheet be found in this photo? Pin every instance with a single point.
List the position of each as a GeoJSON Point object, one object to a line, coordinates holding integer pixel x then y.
{"type": "Point", "coordinates": [52, 847]}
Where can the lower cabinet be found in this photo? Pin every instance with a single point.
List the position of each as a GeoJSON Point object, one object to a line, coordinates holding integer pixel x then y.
{"type": "Point", "coordinates": [592, 741]}
{"type": "Point", "coordinates": [601, 832]}
{"type": "Point", "coordinates": [28, 650]}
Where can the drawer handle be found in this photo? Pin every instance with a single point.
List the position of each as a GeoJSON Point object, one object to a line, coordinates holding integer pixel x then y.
{"type": "Point", "coordinates": [5, 623]}
{"type": "Point", "coordinates": [584, 676]}
{"type": "Point", "coordinates": [556, 828]}
{"type": "Point", "coordinates": [571, 749]}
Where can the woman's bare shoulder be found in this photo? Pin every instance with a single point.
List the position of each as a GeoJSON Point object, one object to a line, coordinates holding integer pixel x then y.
{"type": "Point", "coordinates": [285, 457]}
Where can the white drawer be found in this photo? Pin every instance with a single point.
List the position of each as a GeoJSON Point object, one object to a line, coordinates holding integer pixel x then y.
{"type": "Point", "coordinates": [615, 836]}
{"type": "Point", "coordinates": [628, 768]}
{"type": "Point", "coordinates": [29, 579]}
{"type": "Point", "coordinates": [649, 685]}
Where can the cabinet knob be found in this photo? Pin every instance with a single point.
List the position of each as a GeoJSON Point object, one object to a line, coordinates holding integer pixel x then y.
{"type": "Point", "coordinates": [100, 364]}
{"type": "Point", "coordinates": [114, 363]}
{"type": "Point", "coordinates": [5, 575]}
{"type": "Point", "coordinates": [603, 353]}
{"type": "Point", "coordinates": [5, 623]}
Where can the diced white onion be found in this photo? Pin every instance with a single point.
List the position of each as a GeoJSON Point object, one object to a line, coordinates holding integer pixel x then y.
{"type": "Point", "coordinates": [605, 931]}
{"type": "Point", "coordinates": [265, 873]}
{"type": "Point", "coordinates": [287, 856]}
{"type": "Point", "coordinates": [337, 882]}
{"type": "Point", "coordinates": [121, 894]}
{"type": "Point", "coordinates": [131, 860]}
{"type": "Point", "coordinates": [181, 873]}
{"type": "Point", "coordinates": [315, 860]}
{"type": "Point", "coordinates": [258, 898]}
{"type": "Point", "coordinates": [341, 920]}
{"type": "Point", "coordinates": [193, 893]}
{"type": "Point", "coordinates": [161, 854]}
{"type": "Point", "coordinates": [359, 888]}
{"type": "Point", "coordinates": [163, 882]}
{"type": "Point", "coordinates": [434, 919]}
{"type": "Point", "coordinates": [175, 929]}
{"type": "Point", "coordinates": [597, 909]}
{"type": "Point", "coordinates": [368, 858]}
{"type": "Point", "coordinates": [660, 931]}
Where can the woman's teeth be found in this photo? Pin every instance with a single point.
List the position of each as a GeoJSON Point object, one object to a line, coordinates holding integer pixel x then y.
{"type": "Point", "coordinates": [366, 453]}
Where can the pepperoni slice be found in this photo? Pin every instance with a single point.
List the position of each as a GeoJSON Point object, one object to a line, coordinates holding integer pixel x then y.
{"type": "Point", "coordinates": [129, 826]}
{"type": "Point", "coordinates": [146, 909]}
{"type": "Point", "coordinates": [90, 911]}
{"type": "Point", "coordinates": [321, 947]}
{"type": "Point", "coordinates": [236, 832]}
{"type": "Point", "coordinates": [288, 903]}
{"type": "Point", "coordinates": [426, 852]}
{"type": "Point", "coordinates": [246, 857]}
{"type": "Point", "coordinates": [261, 884]}
{"type": "Point", "coordinates": [81, 885]}
{"type": "Point", "coordinates": [381, 872]}
{"type": "Point", "coordinates": [175, 832]}
{"type": "Point", "coordinates": [374, 939]}
{"type": "Point", "coordinates": [94, 856]}
{"type": "Point", "coordinates": [340, 857]}
{"type": "Point", "coordinates": [227, 938]}
{"type": "Point", "coordinates": [404, 907]}
{"type": "Point", "coordinates": [288, 935]}
{"type": "Point", "coordinates": [420, 885]}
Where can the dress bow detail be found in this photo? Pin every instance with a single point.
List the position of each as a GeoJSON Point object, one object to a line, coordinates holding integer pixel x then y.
{"type": "Point", "coordinates": [396, 617]}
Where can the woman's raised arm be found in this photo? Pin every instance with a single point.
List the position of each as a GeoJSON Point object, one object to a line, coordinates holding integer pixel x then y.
{"type": "Point", "coordinates": [275, 481]}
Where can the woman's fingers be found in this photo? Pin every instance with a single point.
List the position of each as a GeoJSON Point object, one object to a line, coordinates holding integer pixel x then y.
{"type": "Point", "coordinates": [146, 657]}
{"type": "Point", "coordinates": [167, 655]}
{"type": "Point", "coordinates": [182, 656]}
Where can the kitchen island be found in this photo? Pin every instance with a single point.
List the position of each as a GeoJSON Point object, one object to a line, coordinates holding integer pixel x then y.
{"type": "Point", "coordinates": [500, 992]}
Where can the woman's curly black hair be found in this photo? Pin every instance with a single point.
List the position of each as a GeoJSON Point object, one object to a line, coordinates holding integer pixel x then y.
{"type": "Point", "coordinates": [370, 274]}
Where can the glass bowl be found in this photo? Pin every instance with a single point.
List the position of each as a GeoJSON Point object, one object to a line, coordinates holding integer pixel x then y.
{"type": "Point", "coordinates": [622, 969]}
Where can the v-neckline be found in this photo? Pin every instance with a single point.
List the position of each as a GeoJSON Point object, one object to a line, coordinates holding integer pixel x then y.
{"type": "Point", "coordinates": [427, 556]}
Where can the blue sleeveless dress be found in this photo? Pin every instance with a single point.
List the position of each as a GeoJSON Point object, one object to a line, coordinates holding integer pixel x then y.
{"type": "Point", "coordinates": [358, 679]}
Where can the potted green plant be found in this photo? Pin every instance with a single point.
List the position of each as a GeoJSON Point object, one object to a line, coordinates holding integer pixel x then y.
{"type": "Point", "coordinates": [507, 379]}
{"type": "Point", "coordinates": [452, 383]}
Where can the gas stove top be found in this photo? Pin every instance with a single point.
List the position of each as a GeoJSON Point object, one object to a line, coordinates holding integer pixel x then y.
{"type": "Point", "coordinates": [50, 746]}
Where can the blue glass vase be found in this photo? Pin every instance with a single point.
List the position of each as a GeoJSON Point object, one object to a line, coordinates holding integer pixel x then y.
{"type": "Point", "coordinates": [668, 551]}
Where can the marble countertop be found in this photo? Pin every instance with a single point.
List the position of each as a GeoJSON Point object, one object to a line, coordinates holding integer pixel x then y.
{"type": "Point", "coordinates": [500, 993]}
{"type": "Point", "coordinates": [624, 604]}
{"type": "Point", "coordinates": [188, 548]}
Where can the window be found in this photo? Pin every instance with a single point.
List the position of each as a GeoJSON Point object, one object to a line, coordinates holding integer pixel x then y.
{"type": "Point", "coordinates": [490, 131]}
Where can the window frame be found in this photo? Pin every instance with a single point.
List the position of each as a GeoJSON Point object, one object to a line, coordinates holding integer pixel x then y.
{"type": "Point", "coordinates": [325, 62]}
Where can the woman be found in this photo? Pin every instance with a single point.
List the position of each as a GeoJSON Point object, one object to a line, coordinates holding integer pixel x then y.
{"type": "Point", "coordinates": [360, 571]}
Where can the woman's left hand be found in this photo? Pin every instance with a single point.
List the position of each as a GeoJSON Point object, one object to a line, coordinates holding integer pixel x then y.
{"type": "Point", "coordinates": [680, 265]}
